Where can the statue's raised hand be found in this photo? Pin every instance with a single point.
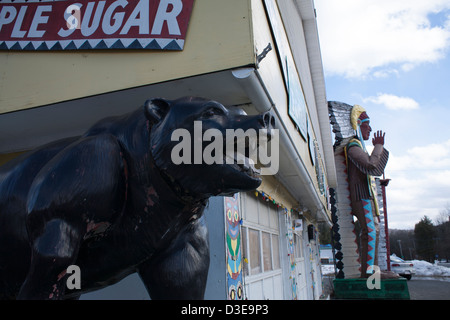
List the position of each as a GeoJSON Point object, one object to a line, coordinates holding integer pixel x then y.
{"type": "Point", "coordinates": [378, 137]}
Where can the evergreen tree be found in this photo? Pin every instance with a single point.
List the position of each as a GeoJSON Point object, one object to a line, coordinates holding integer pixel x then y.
{"type": "Point", "coordinates": [324, 233]}
{"type": "Point", "coordinates": [424, 234]}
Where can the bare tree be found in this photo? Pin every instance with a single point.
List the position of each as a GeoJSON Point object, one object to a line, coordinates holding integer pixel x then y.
{"type": "Point", "coordinates": [444, 215]}
{"type": "Point", "coordinates": [443, 234]}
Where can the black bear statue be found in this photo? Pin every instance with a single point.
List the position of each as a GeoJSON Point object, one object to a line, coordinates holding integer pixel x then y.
{"type": "Point", "coordinates": [112, 202]}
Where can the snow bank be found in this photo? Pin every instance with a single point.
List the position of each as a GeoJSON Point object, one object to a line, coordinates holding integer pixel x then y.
{"type": "Point", "coordinates": [426, 269]}
{"type": "Point", "coordinates": [327, 269]}
{"type": "Point", "coordinates": [422, 268]}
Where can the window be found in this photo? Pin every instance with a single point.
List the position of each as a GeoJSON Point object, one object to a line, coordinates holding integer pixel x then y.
{"type": "Point", "coordinates": [267, 251]}
{"type": "Point", "coordinates": [261, 246]}
{"type": "Point", "coordinates": [260, 236]}
{"type": "Point", "coordinates": [298, 246]}
{"type": "Point", "coordinates": [255, 253]}
{"type": "Point", "coordinates": [276, 252]}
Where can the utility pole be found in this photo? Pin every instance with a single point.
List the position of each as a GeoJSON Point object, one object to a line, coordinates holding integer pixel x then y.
{"type": "Point", "coordinates": [400, 245]}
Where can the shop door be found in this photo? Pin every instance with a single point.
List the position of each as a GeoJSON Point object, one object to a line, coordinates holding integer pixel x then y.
{"type": "Point", "coordinates": [302, 291]}
{"type": "Point", "coordinates": [316, 273]}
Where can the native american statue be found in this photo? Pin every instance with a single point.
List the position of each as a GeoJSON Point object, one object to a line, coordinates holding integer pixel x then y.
{"type": "Point", "coordinates": [351, 127]}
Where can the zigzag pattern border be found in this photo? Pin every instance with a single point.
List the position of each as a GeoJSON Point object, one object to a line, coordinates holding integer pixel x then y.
{"type": "Point", "coordinates": [94, 44]}
{"type": "Point", "coordinates": [371, 250]}
{"type": "Point", "coordinates": [336, 237]}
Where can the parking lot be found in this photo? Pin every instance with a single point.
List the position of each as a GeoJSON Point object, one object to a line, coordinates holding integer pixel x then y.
{"type": "Point", "coordinates": [429, 288]}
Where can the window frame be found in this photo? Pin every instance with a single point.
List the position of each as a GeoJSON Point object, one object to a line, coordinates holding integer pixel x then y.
{"type": "Point", "coordinates": [272, 229]}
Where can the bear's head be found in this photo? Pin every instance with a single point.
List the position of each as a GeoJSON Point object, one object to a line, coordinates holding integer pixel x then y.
{"type": "Point", "coordinates": [204, 148]}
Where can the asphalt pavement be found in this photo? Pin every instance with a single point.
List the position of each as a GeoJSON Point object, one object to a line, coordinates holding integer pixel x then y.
{"type": "Point", "coordinates": [428, 289]}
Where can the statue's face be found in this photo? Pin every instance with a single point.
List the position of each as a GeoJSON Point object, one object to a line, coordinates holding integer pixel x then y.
{"type": "Point", "coordinates": [365, 130]}
{"type": "Point", "coordinates": [193, 118]}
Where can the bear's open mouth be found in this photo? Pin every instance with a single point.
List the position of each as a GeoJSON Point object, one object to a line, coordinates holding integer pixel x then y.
{"type": "Point", "coordinates": [243, 164]}
{"type": "Point", "coordinates": [242, 160]}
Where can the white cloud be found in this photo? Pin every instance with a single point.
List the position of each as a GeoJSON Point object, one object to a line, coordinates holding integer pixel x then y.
{"type": "Point", "coordinates": [384, 73]}
{"type": "Point", "coordinates": [379, 37]}
{"type": "Point", "coordinates": [393, 102]}
{"type": "Point", "coordinates": [434, 156]}
{"type": "Point", "coordinates": [420, 184]}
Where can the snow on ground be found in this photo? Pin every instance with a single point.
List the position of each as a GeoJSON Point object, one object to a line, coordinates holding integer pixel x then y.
{"type": "Point", "coordinates": [327, 269]}
{"type": "Point", "coordinates": [422, 268]}
{"type": "Point", "coordinates": [426, 269]}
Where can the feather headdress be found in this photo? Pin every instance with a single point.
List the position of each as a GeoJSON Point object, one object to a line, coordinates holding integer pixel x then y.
{"type": "Point", "coordinates": [340, 118]}
{"type": "Point", "coordinates": [346, 121]}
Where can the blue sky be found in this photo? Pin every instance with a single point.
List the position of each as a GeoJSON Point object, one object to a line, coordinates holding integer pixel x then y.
{"type": "Point", "coordinates": [393, 58]}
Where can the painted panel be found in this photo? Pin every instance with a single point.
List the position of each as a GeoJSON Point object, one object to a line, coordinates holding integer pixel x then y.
{"type": "Point", "coordinates": [278, 287]}
{"type": "Point", "coordinates": [267, 285]}
{"type": "Point", "coordinates": [255, 290]}
{"type": "Point", "coordinates": [291, 255]}
{"type": "Point", "coordinates": [234, 252]}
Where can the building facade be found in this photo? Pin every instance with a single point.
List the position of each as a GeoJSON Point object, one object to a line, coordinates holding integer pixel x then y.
{"type": "Point", "coordinates": [260, 55]}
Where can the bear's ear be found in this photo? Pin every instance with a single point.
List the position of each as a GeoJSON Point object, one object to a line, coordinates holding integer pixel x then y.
{"type": "Point", "coordinates": [156, 109]}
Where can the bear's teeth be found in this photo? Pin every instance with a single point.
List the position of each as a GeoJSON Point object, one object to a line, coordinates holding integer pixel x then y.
{"type": "Point", "coordinates": [244, 163]}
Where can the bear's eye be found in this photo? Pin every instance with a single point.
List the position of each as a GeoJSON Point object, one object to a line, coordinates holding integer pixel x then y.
{"type": "Point", "coordinates": [211, 113]}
